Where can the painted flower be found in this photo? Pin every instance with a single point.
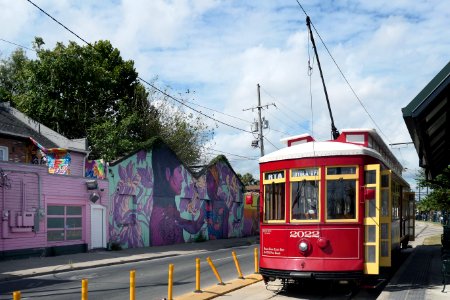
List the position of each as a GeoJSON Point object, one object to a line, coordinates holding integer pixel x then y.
{"type": "Point", "coordinates": [146, 177]}
{"type": "Point", "coordinates": [129, 181]}
{"type": "Point", "coordinates": [141, 156]}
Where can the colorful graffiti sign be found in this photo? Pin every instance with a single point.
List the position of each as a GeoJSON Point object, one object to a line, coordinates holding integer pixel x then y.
{"type": "Point", "coordinates": [58, 162]}
{"type": "Point", "coordinates": [157, 201]}
{"type": "Point", "coordinates": [95, 169]}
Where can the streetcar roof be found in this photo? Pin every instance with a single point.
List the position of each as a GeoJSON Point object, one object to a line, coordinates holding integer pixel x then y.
{"type": "Point", "coordinates": [319, 149]}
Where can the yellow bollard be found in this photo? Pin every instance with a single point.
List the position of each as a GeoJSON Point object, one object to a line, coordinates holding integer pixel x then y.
{"type": "Point", "coordinates": [84, 289]}
{"type": "Point", "coordinates": [170, 285]}
{"type": "Point", "coordinates": [256, 261]}
{"type": "Point", "coordinates": [132, 285]}
{"type": "Point", "coordinates": [197, 276]}
{"type": "Point", "coordinates": [236, 262]}
{"type": "Point", "coordinates": [208, 259]}
{"type": "Point", "coordinates": [16, 295]}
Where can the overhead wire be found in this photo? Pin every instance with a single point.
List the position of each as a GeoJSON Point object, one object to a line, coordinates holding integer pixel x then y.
{"type": "Point", "coordinates": [12, 43]}
{"type": "Point", "coordinates": [140, 78]}
{"type": "Point", "coordinates": [282, 111]}
{"type": "Point", "coordinates": [345, 78]}
{"type": "Point", "coordinates": [271, 143]}
{"type": "Point", "coordinates": [214, 110]}
{"type": "Point", "coordinates": [237, 155]}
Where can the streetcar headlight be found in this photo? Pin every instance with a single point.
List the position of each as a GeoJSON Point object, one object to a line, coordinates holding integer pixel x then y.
{"type": "Point", "coordinates": [303, 246]}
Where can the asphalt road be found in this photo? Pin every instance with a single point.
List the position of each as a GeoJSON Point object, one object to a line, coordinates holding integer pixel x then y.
{"type": "Point", "coordinates": [326, 290]}
{"type": "Point", "coordinates": [151, 277]}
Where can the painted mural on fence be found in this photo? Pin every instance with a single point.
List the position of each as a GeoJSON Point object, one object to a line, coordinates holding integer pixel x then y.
{"type": "Point", "coordinates": [95, 169]}
{"type": "Point", "coordinates": [156, 200]}
{"type": "Point", "coordinates": [251, 210]}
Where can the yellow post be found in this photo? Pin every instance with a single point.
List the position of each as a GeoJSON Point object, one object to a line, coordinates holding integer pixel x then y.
{"type": "Point", "coordinates": [256, 261]}
{"type": "Point", "coordinates": [236, 262]}
{"type": "Point", "coordinates": [16, 295]}
{"type": "Point", "coordinates": [132, 285]}
{"type": "Point", "coordinates": [170, 285]}
{"type": "Point", "coordinates": [208, 259]}
{"type": "Point", "coordinates": [84, 289]}
{"type": "Point", "coordinates": [197, 276]}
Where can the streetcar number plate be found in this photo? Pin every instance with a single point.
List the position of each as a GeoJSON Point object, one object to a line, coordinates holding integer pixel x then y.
{"type": "Point", "coordinates": [304, 234]}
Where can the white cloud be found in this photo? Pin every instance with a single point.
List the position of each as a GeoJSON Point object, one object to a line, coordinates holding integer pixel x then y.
{"type": "Point", "coordinates": [388, 51]}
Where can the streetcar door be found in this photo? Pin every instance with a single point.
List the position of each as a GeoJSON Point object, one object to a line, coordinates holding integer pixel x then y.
{"type": "Point", "coordinates": [372, 199]}
{"type": "Point", "coordinates": [412, 217]}
{"type": "Point", "coordinates": [386, 218]}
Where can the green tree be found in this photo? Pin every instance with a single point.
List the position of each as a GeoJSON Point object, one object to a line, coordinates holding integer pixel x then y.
{"type": "Point", "coordinates": [439, 197]}
{"type": "Point", "coordinates": [12, 75]}
{"type": "Point", "coordinates": [248, 179]}
{"type": "Point", "coordinates": [90, 91]}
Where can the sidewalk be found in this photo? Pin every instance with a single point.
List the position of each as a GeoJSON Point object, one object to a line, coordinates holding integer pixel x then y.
{"type": "Point", "coordinates": [420, 275]}
{"type": "Point", "coordinates": [27, 267]}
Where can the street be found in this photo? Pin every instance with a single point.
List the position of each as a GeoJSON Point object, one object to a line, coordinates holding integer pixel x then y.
{"type": "Point", "coordinates": [326, 290]}
{"type": "Point", "coordinates": [112, 282]}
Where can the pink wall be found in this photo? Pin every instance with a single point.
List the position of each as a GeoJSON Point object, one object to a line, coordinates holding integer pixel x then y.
{"type": "Point", "coordinates": [26, 181]}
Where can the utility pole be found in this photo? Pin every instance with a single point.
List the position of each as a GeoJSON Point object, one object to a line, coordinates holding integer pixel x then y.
{"type": "Point", "coordinates": [260, 121]}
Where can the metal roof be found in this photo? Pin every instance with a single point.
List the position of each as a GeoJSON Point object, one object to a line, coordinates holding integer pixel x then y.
{"type": "Point", "coordinates": [427, 120]}
{"type": "Point", "coordinates": [12, 126]}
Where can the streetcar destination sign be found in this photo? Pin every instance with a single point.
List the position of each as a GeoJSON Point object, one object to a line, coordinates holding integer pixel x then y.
{"type": "Point", "coordinates": [305, 172]}
{"type": "Point", "coordinates": [274, 175]}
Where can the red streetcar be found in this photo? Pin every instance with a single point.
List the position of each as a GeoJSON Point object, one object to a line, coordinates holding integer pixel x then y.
{"type": "Point", "coordinates": [332, 210]}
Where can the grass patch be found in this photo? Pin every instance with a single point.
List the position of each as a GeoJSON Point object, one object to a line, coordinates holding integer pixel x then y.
{"type": "Point", "coordinates": [432, 240]}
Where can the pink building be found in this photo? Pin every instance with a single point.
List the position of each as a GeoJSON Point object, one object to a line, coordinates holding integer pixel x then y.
{"type": "Point", "coordinates": [47, 205]}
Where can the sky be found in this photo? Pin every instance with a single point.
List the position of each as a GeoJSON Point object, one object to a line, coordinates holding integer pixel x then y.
{"type": "Point", "coordinates": [214, 53]}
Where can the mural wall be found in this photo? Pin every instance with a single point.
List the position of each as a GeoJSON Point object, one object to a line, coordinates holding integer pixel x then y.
{"type": "Point", "coordinates": [156, 200]}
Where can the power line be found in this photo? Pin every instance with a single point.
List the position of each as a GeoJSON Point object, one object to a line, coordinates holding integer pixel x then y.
{"type": "Point", "coordinates": [60, 23]}
{"type": "Point", "coordinates": [246, 157]}
{"type": "Point", "coordinates": [271, 143]}
{"type": "Point", "coordinates": [283, 112]}
{"type": "Point", "coordinates": [345, 78]}
{"type": "Point", "coordinates": [182, 103]}
{"type": "Point", "coordinates": [141, 79]}
{"type": "Point", "coordinates": [211, 109]}
{"type": "Point", "coordinates": [12, 43]}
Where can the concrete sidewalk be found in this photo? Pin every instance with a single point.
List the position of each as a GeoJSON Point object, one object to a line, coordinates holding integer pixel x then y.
{"type": "Point", "coordinates": [21, 268]}
{"type": "Point", "coordinates": [420, 275]}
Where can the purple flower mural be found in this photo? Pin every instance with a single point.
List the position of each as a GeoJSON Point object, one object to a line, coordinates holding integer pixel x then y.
{"type": "Point", "coordinates": [156, 200]}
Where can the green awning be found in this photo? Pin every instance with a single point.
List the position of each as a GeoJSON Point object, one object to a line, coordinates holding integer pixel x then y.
{"type": "Point", "coordinates": [427, 120]}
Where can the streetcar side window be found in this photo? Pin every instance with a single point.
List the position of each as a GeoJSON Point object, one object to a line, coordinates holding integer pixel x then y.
{"type": "Point", "coordinates": [341, 196]}
{"type": "Point", "coordinates": [274, 196]}
{"type": "Point", "coordinates": [341, 183]}
{"type": "Point", "coordinates": [305, 194]}
{"type": "Point", "coordinates": [274, 202]}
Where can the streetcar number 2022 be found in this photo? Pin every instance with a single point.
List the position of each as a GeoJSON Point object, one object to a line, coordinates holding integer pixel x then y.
{"type": "Point", "coordinates": [304, 234]}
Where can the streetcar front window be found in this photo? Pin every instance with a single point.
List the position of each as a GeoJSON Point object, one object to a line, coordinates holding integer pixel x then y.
{"type": "Point", "coordinates": [341, 199]}
{"type": "Point", "coordinates": [274, 201]}
{"type": "Point", "coordinates": [304, 200]}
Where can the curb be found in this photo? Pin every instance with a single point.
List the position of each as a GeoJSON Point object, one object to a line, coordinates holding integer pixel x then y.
{"type": "Point", "coordinates": [220, 290]}
{"type": "Point", "coordinates": [7, 276]}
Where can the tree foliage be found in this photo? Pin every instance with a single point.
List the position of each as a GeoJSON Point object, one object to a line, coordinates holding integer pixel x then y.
{"type": "Point", "coordinates": [439, 197]}
{"type": "Point", "coordinates": [91, 91]}
{"type": "Point", "coordinates": [248, 179]}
